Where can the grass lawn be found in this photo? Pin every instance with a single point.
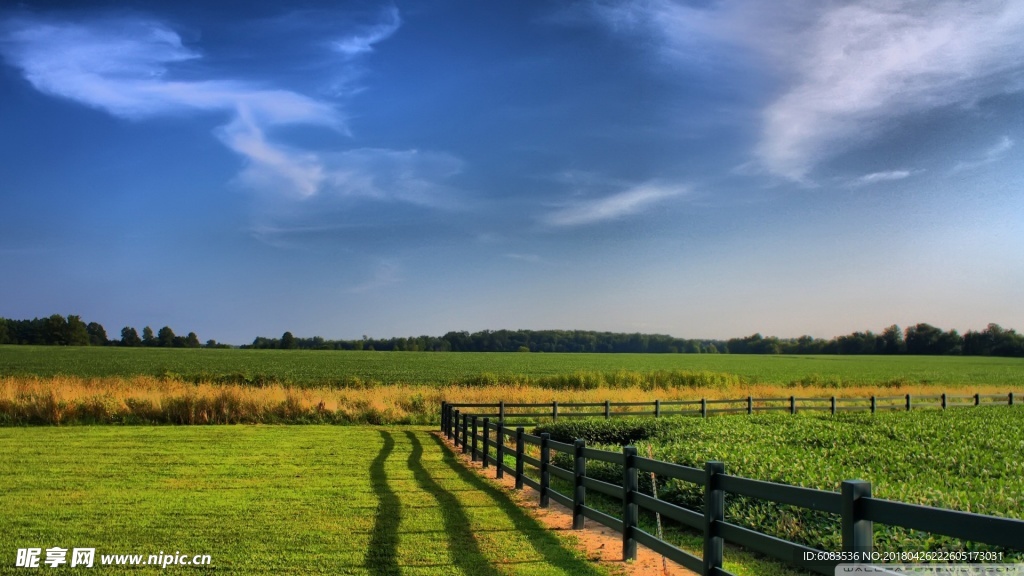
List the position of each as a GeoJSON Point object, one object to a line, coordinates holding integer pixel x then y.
{"type": "Point", "coordinates": [265, 500]}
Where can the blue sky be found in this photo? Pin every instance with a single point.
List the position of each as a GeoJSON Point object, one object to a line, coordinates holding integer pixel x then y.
{"type": "Point", "coordinates": [704, 169]}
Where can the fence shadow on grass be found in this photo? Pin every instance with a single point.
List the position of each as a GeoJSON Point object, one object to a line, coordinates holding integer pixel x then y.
{"type": "Point", "coordinates": [547, 544]}
{"type": "Point", "coordinates": [382, 555]}
{"type": "Point", "coordinates": [462, 546]}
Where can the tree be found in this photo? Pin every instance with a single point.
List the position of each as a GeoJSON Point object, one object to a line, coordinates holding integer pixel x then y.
{"type": "Point", "coordinates": [55, 330]}
{"type": "Point", "coordinates": [4, 336]}
{"type": "Point", "coordinates": [76, 332]}
{"type": "Point", "coordinates": [147, 337]}
{"type": "Point", "coordinates": [288, 341]}
{"type": "Point", "coordinates": [129, 337]}
{"type": "Point", "coordinates": [192, 341]}
{"type": "Point", "coordinates": [165, 337]}
{"type": "Point", "coordinates": [97, 334]}
{"type": "Point", "coordinates": [893, 340]}
{"type": "Point", "coordinates": [923, 339]}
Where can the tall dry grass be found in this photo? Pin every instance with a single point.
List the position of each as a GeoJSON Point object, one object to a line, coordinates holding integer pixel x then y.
{"type": "Point", "coordinates": [148, 400]}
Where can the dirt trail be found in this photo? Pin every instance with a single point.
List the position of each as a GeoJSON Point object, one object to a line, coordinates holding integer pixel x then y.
{"type": "Point", "coordinates": [600, 543]}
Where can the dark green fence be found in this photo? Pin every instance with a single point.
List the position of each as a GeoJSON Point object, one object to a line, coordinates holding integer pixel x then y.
{"type": "Point", "coordinates": [749, 405]}
{"type": "Point", "coordinates": [491, 442]}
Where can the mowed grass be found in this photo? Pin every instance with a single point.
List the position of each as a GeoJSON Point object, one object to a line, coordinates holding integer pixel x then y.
{"type": "Point", "coordinates": [320, 368]}
{"type": "Point", "coordinates": [266, 500]}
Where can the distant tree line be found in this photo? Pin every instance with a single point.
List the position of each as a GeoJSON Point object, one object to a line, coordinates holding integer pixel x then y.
{"type": "Point", "coordinates": [57, 330]}
{"type": "Point", "coordinates": [920, 339]}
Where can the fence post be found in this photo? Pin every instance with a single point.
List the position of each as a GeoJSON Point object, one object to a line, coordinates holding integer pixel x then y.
{"type": "Point", "coordinates": [629, 507]}
{"type": "Point", "coordinates": [792, 404]}
{"type": "Point", "coordinates": [607, 409]}
{"type": "Point", "coordinates": [857, 532]}
{"type": "Point", "coordinates": [487, 437]}
{"type": "Point", "coordinates": [554, 411]}
{"type": "Point", "coordinates": [1011, 399]}
{"type": "Point", "coordinates": [579, 494]}
{"type": "Point", "coordinates": [750, 404]}
{"type": "Point", "coordinates": [943, 400]}
{"type": "Point", "coordinates": [501, 411]}
{"type": "Point", "coordinates": [473, 439]}
{"type": "Point", "coordinates": [908, 402]}
{"type": "Point", "coordinates": [520, 447]}
{"type": "Point", "coordinates": [465, 432]}
{"type": "Point", "coordinates": [545, 472]}
{"type": "Point", "coordinates": [833, 405]}
{"type": "Point", "coordinates": [455, 427]}
{"type": "Point", "coordinates": [714, 511]}
{"type": "Point", "coordinates": [657, 408]}
{"type": "Point", "coordinates": [874, 404]}
{"type": "Point", "coordinates": [703, 407]}
{"type": "Point", "coordinates": [444, 415]}
{"type": "Point", "coordinates": [977, 399]}
{"type": "Point", "coordinates": [500, 450]}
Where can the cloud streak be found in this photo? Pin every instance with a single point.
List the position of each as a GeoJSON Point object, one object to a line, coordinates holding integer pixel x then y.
{"type": "Point", "coordinates": [125, 67]}
{"type": "Point", "coordinates": [886, 176]}
{"type": "Point", "coordinates": [845, 70]}
{"type": "Point", "coordinates": [993, 154]}
{"type": "Point", "coordinates": [868, 63]}
{"type": "Point", "coordinates": [627, 203]}
{"type": "Point", "coordinates": [362, 43]}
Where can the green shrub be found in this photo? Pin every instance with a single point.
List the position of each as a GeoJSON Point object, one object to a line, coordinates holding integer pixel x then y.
{"type": "Point", "coordinates": [614, 431]}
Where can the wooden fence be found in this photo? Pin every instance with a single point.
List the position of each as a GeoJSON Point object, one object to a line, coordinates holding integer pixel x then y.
{"type": "Point", "coordinates": [477, 435]}
{"type": "Point", "coordinates": [749, 405]}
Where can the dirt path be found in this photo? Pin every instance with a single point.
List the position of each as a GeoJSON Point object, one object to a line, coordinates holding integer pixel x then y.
{"type": "Point", "coordinates": [600, 543]}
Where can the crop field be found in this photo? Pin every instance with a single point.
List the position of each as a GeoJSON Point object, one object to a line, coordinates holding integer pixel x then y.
{"type": "Point", "coordinates": [357, 369]}
{"type": "Point", "coordinates": [265, 500]}
{"type": "Point", "coordinates": [964, 459]}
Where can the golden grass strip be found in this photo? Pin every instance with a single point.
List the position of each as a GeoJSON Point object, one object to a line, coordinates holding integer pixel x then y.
{"type": "Point", "coordinates": [148, 400]}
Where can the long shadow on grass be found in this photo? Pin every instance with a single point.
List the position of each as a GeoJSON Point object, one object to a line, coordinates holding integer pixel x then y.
{"type": "Point", "coordinates": [549, 546]}
{"type": "Point", "coordinates": [381, 557]}
{"type": "Point", "coordinates": [462, 546]}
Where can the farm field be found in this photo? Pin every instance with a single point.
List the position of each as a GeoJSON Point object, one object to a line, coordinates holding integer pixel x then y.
{"type": "Point", "coordinates": [266, 500]}
{"type": "Point", "coordinates": [964, 459]}
{"type": "Point", "coordinates": [351, 368]}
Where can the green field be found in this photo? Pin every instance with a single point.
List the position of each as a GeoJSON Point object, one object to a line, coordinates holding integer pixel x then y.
{"type": "Point", "coordinates": [266, 500]}
{"type": "Point", "coordinates": [965, 459]}
{"type": "Point", "coordinates": [341, 367]}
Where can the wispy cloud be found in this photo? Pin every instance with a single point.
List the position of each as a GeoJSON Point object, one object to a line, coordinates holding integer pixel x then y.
{"type": "Point", "coordinates": [386, 273]}
{"type": "Point", "coordinates": [993, 154]}
{"type": "Point", "coordinates": [847, 70]}
{"type": "Point", "coordinates": [125, 66]}
{"type": "Point", "coordinates": [867, 63]}
{"type": "Point", "coordinates": [629, 202]}
{"type": "Point", "coordinates": [122, 66]}
{"type": "Point", "coordinates": [531, 258]}
{"type": "Point", "coordinates": [363, 41]}
{"type": "Point", "coordinates": [886, 176]}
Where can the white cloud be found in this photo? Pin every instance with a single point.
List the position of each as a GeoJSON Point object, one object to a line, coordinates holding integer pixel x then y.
{"type": "Point", "coordinates": [886, 176]}
{"type": "Point", "coordinates": [363, 42]}
{"type": "Point", "coordinates": [993, 154]}
{"type": "Point", "coordinates": [531, 258]}
{"type": "Point", "coordinates": [632, 201]}
{"type": "Point", "coordinates": [867, 63]}
{"type": "Point", "coordinates": [123, 67]}
{"type": "Point", "coordinates": [386, 273]}
{"type": "Point", "coordinates": [847, 70]}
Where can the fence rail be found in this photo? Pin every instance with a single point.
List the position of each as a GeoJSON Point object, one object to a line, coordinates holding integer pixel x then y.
{"type": "Point", "coordinates": [750, 405]}
{"type": "Point", "coordinates": [476, 434]}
